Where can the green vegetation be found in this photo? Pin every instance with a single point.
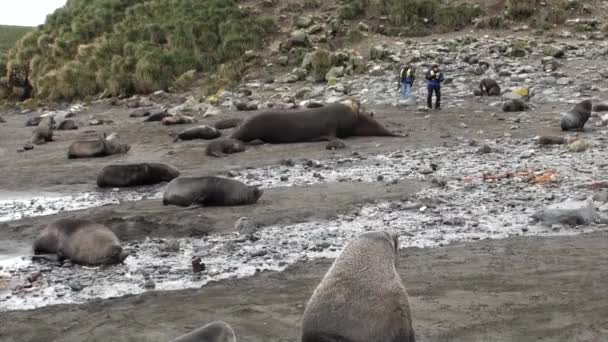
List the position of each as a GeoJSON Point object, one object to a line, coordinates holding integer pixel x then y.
{"type": "Point", "coordinates": [410, 14]}
{"type": "Point", "coordinates": [133, 46]}
{"type": "Point", "coordinates": [9, 35]}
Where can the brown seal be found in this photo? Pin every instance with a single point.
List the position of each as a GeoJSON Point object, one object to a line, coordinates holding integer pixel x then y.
{"type": "Point", "coordinates": [199, 132]}
{"type": "Point", "coordinates": [515, 105]}
{"type": "Point", "coordinates": [228, 123]}
{"type": "Point", "coordinates": [135, 174]}
{"type": "Point", "coordinates": [577, 117]}
{"type": "Point", "coordinates": [337, 120]}
{"type": "Point", "coordinates": [361, 297]}
{"type": "Point", "coordinates": [489, 87]}
{"type": "Point", "coordinates": [600, 107]}
{"type": "Point", "coordinates": [157, 116]}
{"type": "Point", "coordinates": [220, 148]}
{"type": "Point", "coordinates": [217, 331]}
{"type": "Point", "coordinates": [177, 120]}
{"type": "Point", "coordinates": [82, 241]}
{"type": "Point", "coordinates": [210, 191]}
{"type": "Point", "coordinates": [101, 147]}
{"type": "Point", "coordinates": [44, 132]}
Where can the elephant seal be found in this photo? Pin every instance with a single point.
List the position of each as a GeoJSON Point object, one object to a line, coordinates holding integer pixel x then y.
{"type": "Point", "coordinates": [66, 125]}
{"type": "Point", "coordinates": [101, 147]}
{"type": "Point", "coordinates": [33, 122]}
{"type": "Point", "coordinates": [157, 116]}
{"type": "Point", "coordinates": [217, 331]}
{"type": "Point", "coordinates": [601, 107]}
{"type": "Point", "coordinates": [210, 191]}
{"type": "Point", "coordinates": [199, 132]}
{"type": "Point", "coordinates": [220, 148]}
{"type": "Point", "coordinates": [361, 297]}
{"type": "Point", "coordinates": [135, 174]}
{"type": "Point", "coordinates": [228, 123]}
{"type": "Point", "coordinates": [44, 132]}
{"type": "Point", "coordinates": [335, 144]}
{"type": "Point", "coordinates": [82, 241]}
{"type": "Point", "coordinates": [577, 117]}
{"type": "Point", "coordinates": [177, 120]}
{"type": "Point", "coordinates": [337, 120]}
{"type": "Point", "coordinates": [515, 105]}
{"type": "Point", "coordinates": [489, 87]}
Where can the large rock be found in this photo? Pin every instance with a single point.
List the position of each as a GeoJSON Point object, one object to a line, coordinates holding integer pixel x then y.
{"type": "Point", "coordinates": [378, 52]}
{"type": "Point", "coordinates": [299, 38]}
{"type": "Point", "coordinates": [303, 21]}
{"type": "Point", "coordinates": [554, 51]}
{"type": "Point", "coordinates": [571, 212]}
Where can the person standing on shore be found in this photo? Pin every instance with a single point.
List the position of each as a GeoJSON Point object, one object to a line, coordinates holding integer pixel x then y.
{"type": "Point", "coordinates": [406, 81]}
{"type": "Point", "coordinates": [434, 78]}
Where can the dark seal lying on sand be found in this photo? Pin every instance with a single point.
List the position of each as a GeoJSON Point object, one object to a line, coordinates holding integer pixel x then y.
{"type": "Point", "coordinates": [199, 132]}
{"type": "Point", "coordinates": [101, 147]}
{"type": "Point", "coordinates": [210, 191]}
{"type": "Point", "coordinates": [221, 148]}
{"type": "Point", "coordinates": [135, 175]}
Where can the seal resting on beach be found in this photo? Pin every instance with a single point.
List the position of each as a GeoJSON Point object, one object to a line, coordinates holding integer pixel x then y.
{"type": "Point", "coordinates": [44, 132]}
{"type": "Point", "coordinates": [220, 148]}
{"type": "Point", "coordinates": [199, 132]}
{"type": "Point", "coordinates": [210, 191]}
{"type": "Point", "coordinates": [337, 120]}
{"type": "Point", "coordinates": [361, 297]}
{"type": "Point", "coordinates": [82, 241]}
{"type": "Point", "coordinates": [177, 120]}
{"type": "Point", "coordinates": [116, 176]}
{"type": "Point", "coordinates": [101, 147]}
{"type": "Point", "coordinates": [228, 123]}
{"type": "Point", "coordinates": [489, 87]}
{"type": "Point", "coordinates": [217, 331]}
{"type": "Point", "coordinates": [577, 117]}
{"type": "Point", "coordinates": [157, 116]}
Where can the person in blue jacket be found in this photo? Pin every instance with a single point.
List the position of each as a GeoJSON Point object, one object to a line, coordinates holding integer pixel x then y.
{"type": "Point", "coordinates": [434, 78]}
{"type": "Point", "coordinates": [406, 80]}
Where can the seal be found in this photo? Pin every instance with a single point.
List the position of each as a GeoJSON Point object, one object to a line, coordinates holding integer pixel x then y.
{"type": "Point", "coordinates": [221, 148]}
{"type": "Point", "coordinates": [600, 107]}
{"type": "Point", "coordinates": [218, 331]}
{"type": "Point", "coordinates": [177, 120]}
{"type": "Point", "coordinates": [577, 117]}
{"type": "Point", "coordinates": [361, 297]}
{"type": "Point", "coordinates": [337, 120]}
{"type": "Point", "coordinates": [210, 191]}
{"type": "Point", "coordinates": [228, 123]}
{"type": "Point", "coordinates": [157, 116]}
{"type": "Point", "coordinates": [126, 175]}
{"type": "Point", "coordinates": [101, 147]}
{"type": "Point", "coordinates": [199, 132]}
{"type": "Point", "coordinates": [33, 122]}
{"type": "Point", "coordinates": [335, 144]}
{"type": "Point", "coordinates": [515, 105]}
{"type": "Point", "coordinates": [44, 132]}
{"type": "Point", "coordinates": [489, 87]}
{"type": "Point", "coordinates": [67, 124]}
{"type": "Point", "coordinates": [82, 241]}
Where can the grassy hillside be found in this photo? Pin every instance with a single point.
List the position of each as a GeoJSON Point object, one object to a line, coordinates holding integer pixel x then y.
{"type": "Point", "coordinates": [9, 35]}
{"type": "Point", "coordinates": [130, 46]}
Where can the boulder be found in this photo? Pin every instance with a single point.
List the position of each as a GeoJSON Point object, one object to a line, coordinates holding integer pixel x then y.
{"type": "Point", "coordinates": [299, 38]}
{"type": "Point", "coordinates": [554, 51]}
{"type": "Point", "coordinates": [379, 52]}
{"type": "Point", "coordinates": [303, 21]}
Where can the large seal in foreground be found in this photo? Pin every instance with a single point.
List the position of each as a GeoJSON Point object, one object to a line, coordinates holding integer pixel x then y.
{"type": "Point", "coordinates": [135, 174]}
{"type": "Point", "coordinates": [577, 117]}
{"type": "Point", "coordinates": [210, 191]}
{"type": "Point", "coordinates": [489, 87]}
{"type": "Point", "coordinates": [82, 241]}
{"type": "Point", "coordinates": [217, 331]}
{"type": "Point", "coordinates": [101, 147]}
{"type": "Point", "coordinates": [361, 298]}
{"type": "Point", "coordinates": [338, 120]}
{"type": "Point", "coordinates": [44, 132]}
{"type": "Point", "coordinates": [220, 148]}
{"type": "Point", "coordinates": [199, 132]}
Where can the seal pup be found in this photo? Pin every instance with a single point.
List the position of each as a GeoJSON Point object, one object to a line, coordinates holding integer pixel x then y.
{"type": "Point", "coordinates": [361, 297]}
{"type": "Point", "coordinates": [577, 117]}
{"type": "Point", "coordinates": [177, 120]}
{"type": "Point", "coordinates": [337, 120]}
{"type": "Point", "coordinates": [44, 132]}
{"type": "Point", "coordinates": [489, 87]}
{"type": "Point", "coordinates": [228, 123]}
{"type": "Point", "coordinates": [117, 176]}
{"type": "Point", "coordinates": [220, 148]}
{"type": "Point", "coordinates": [101, 147]}
{"type": "Point", "coordinates": [515, 105]}
{"type": "Point", "coordinates": [82, 241]}
{"type": "Point", "coordinates": [218, 331]}
{"type": "Point", "coordinates": [210, 191]}
{"type": "Point", "coordinates": [199, 132]}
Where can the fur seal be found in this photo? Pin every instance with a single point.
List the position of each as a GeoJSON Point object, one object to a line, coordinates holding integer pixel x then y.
{"type": "Point", "coordinates": [220, 148]}
{"type": "Point", "coordinates": [361, 297]}
{"type": "Point", "coordinates": [177, 120]}
{"type": "Point", "coordinates": [337, 120]}
{"type": "Point", "coordinates": [66, 125]}
{"type": "Point", "coordinates": [210, 191]}
{"type": "Point", "coordinates": [601, 107]}
{"type": "Point", "coordinates": [82, 241]}
{"type": "Point", "coordinates": [489, 87]}
{"type": "Point", "coordinates": [135, 174]}
{"type": "Point", "coordinates": [313, 104]}
{"type": "Point", "coordinates": [228, 123]}
{"type": "Point", "coordinates": [335, 144]}
{"type": "Point", "coordinates": [199, 132]}
{"type": "Point", "coordinates": [33, 122]}
{"type": "Point", "coordinates": [101, 147]}
{"type": "Point", "coordinates": [217, 331]}
{"type": "Point", "coordinates": [157, 116]}
{"type": "Point", "coordinates": [515, 105]}
{"type": "Point", "coordinates": [44, 132]}
{"type": "Point", "coordinates": [577, 117]}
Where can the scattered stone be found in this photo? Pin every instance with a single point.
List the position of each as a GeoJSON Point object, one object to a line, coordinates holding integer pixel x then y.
{"type": "Point", "coordinates": [601, 196]}
{"type": "Point", "coordinates": [197, 265]}
{"type": "Point", "coordinates": [579, 146]}
{"type": "Point", "coordinates": [245, 227]}
{"type": "Point", "coordinates": [571, 213]}
{"type": "Point", "coordinates": [485, 149]}
{"type": "Point", "coordinates": [34, 276]}
{"type": "Point", "coordinates": [299, 38]}
{"type": "Point", "coordinates": [303, 21]}
{"type": "Point", "coordinates": [75, 285]}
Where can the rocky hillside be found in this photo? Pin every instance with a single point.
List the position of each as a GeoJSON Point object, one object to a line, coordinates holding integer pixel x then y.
{"type": "Point", "coordinates": [116, 48]}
